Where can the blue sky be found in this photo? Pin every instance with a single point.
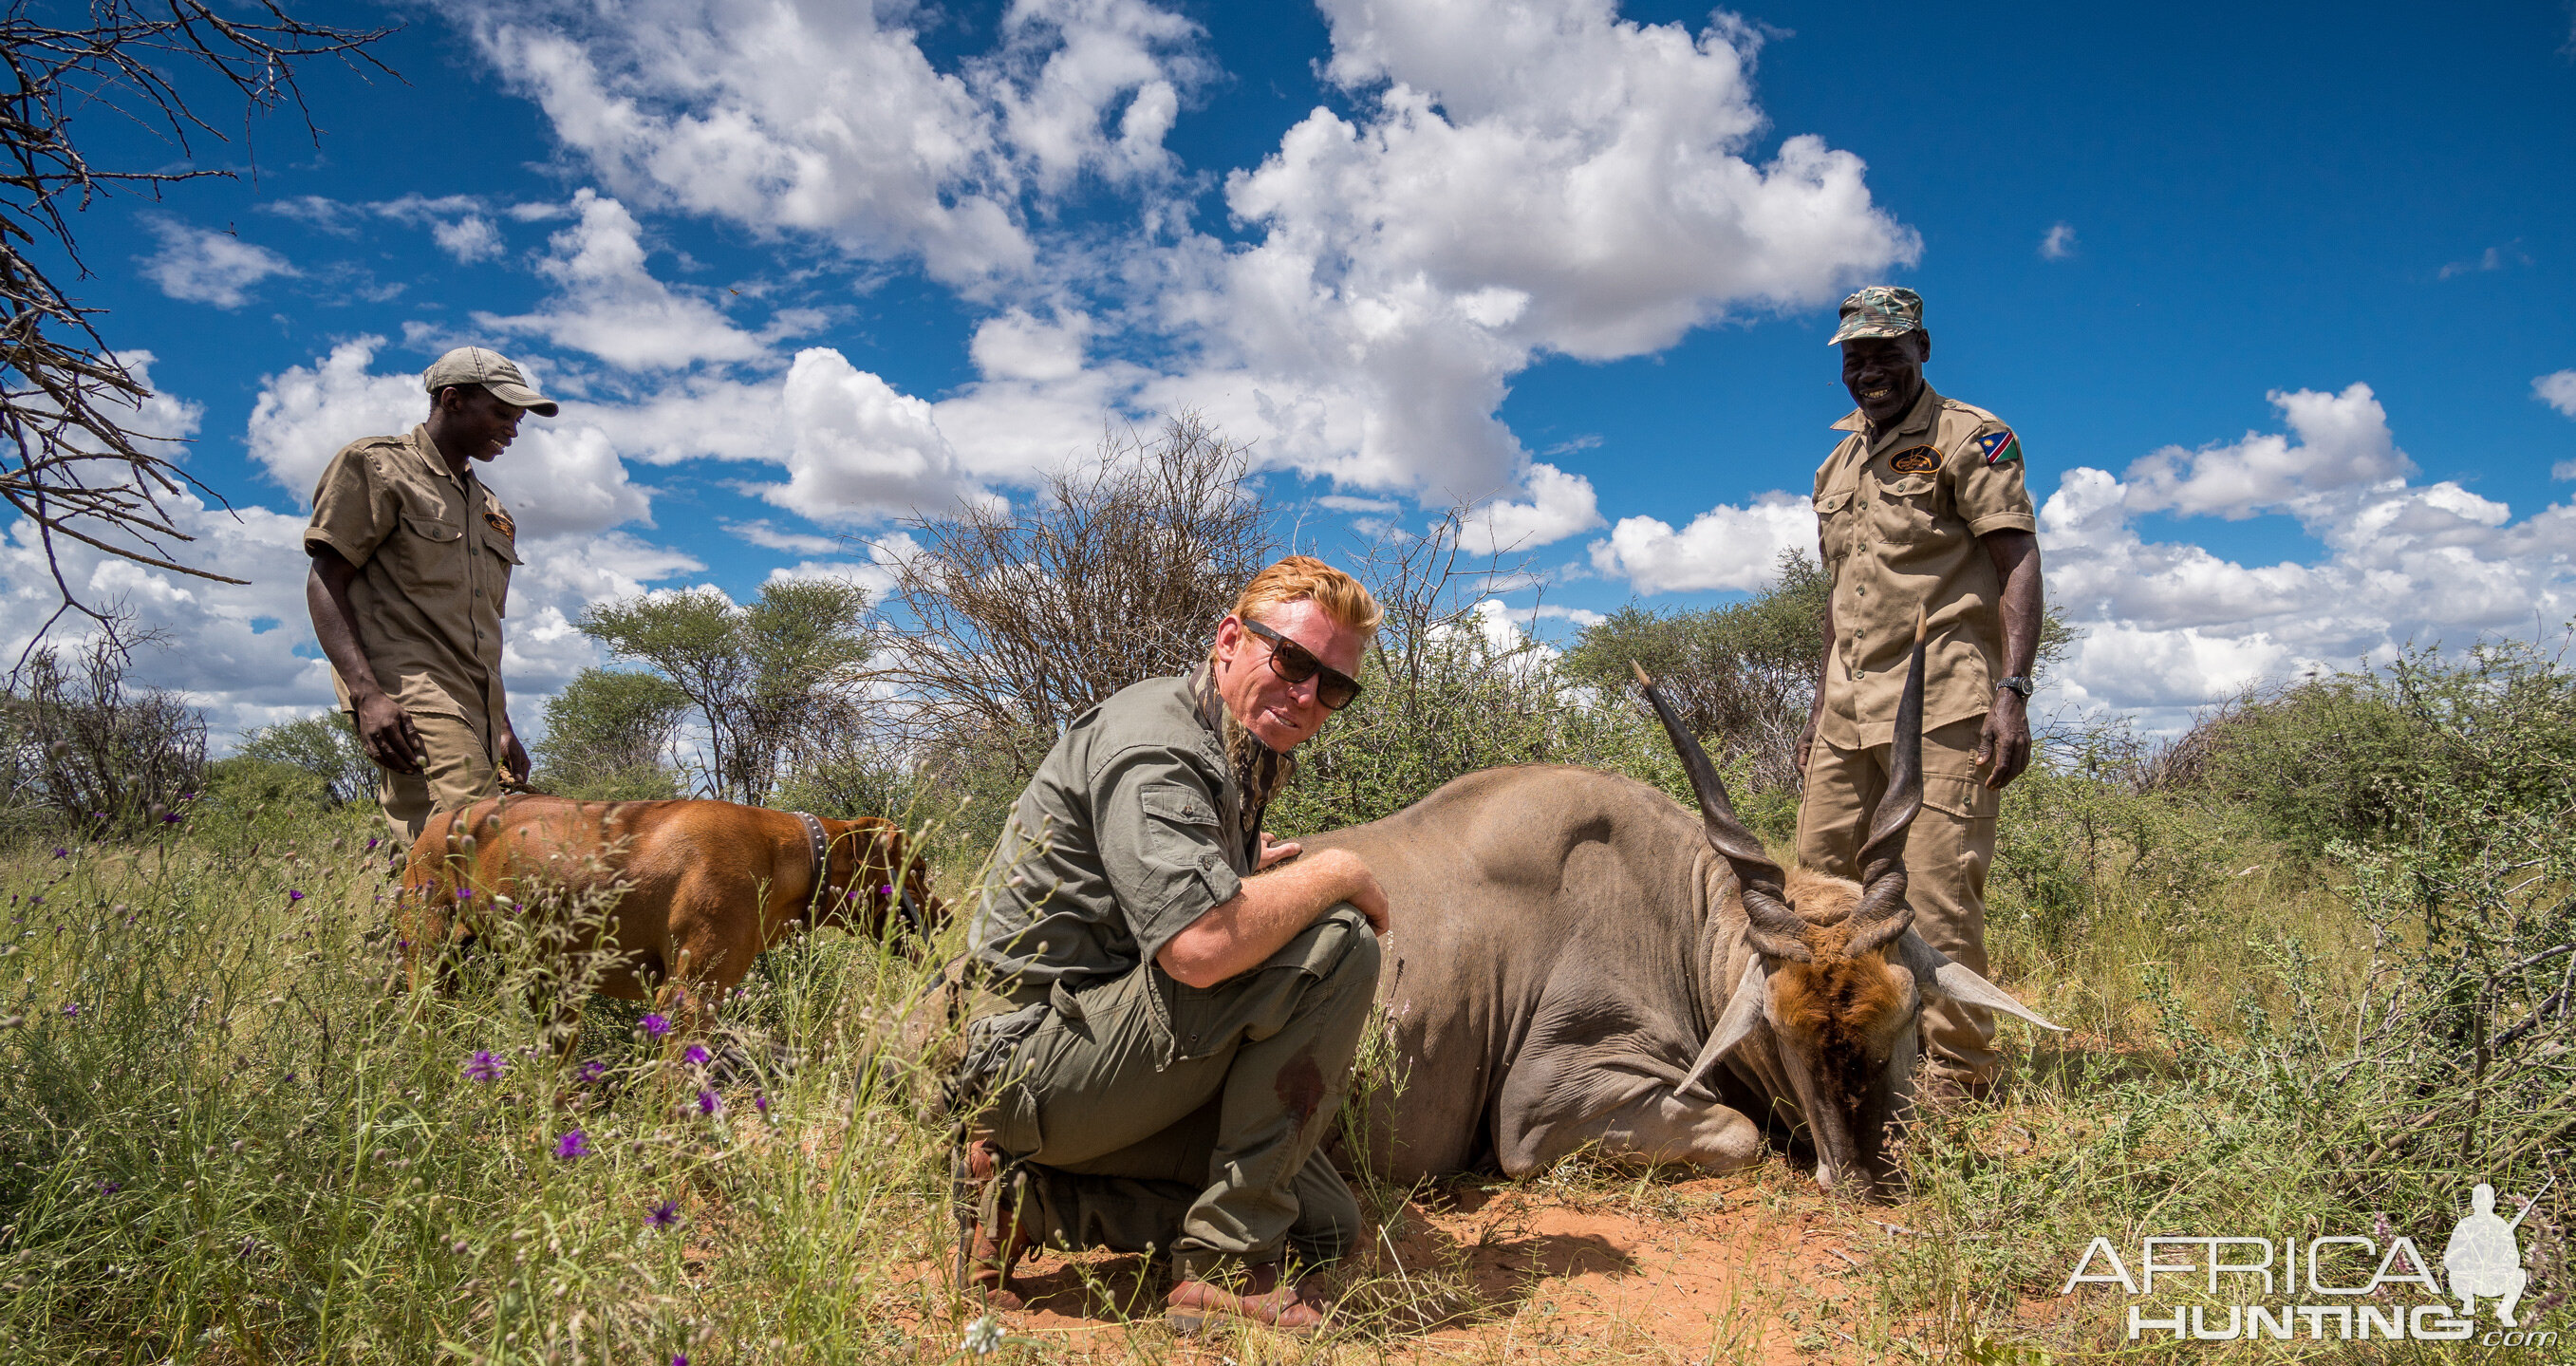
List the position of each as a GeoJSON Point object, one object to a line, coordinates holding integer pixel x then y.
{"type": "Point", "coordinates": [2277, 296]}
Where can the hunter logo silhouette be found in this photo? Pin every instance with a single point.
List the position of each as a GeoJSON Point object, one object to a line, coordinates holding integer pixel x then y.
{"type": "Point", "coordinates": [2483, 1260]}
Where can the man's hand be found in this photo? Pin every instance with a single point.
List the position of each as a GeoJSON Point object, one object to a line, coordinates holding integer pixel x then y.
{"type": "Point", "coordinates": [2003, 747]}
{"type": "Point", "coordinates": [1369, 899]}
{"type": "Point", "coordinates": [389, 736]}
{"type": "Point", "coordinates": [1276, 852]}
{"type": "Point", "coordinates": [1806, 740]}
{"type": "Point", "coordinates": [514, 756]}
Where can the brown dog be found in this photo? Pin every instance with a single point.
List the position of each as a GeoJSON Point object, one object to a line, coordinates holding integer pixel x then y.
{"type": "Point", "coordinates": [700, 887]}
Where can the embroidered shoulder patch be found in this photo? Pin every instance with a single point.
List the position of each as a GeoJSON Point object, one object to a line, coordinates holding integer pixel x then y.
{"type": "Point", "coordinates": [1918, 460]}
{"type": "Point", "coordinates": [500, 521]}
{"type": "Point", "coordinates": [1999, 448]}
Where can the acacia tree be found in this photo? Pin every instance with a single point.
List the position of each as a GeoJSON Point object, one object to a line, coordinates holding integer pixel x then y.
{"type": "Point", "coordinates": [755, 674]}
{"type": "Point", "coordinates": [80, 472]}
{"type": "Point", "coordinates": [1117, 571]}
{"type": "Point", "coordinates": [607, 733]}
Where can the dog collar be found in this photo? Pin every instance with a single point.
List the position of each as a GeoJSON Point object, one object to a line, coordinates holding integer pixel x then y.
{"type": "Point", "coordinates": [819, 845]}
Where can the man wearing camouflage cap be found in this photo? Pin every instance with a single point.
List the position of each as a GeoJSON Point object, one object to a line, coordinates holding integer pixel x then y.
{"type": "Point", "coordinates": [1921, 506]}
{"type": "Point", "coordinates": [411, 575]}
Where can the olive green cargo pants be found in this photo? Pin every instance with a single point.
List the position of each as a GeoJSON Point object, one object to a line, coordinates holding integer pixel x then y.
{"type": "Point", "coordinates": [1214, 1155]}
{"type": "Point", "coordinates": [1947, 853]}
{"type": "Point", "coordinates": [460, 773]}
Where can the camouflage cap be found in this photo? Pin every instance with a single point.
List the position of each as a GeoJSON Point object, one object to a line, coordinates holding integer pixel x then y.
{"type": "Point", "coordinates": [492, 370]}
{"type": "Point", "coordinates": [1879, 311]}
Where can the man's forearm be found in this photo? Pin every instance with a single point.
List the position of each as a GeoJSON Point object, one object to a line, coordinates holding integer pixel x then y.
{"type": "Point", "coordinates": [335, 626]}
{"type": "Point", "coordinates": [2016, 555]}
{"type": "Point", "coordinates": [1271, 909]}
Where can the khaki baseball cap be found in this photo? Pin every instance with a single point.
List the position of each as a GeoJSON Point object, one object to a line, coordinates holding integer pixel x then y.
{"type": "Point", "coordinates": [492, 370]}
{"type": "Point", "coordinates": [1879, 311]}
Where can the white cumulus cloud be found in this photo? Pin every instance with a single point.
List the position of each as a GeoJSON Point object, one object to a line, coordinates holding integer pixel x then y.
{"type": "Point", "coordinates": [610, 305]}
{"type": "Point", "coordinates": [1519, 179]}
{"type": "Point", "coordinates": [2059, 244]}
{"type": "Point", "coordinates": [2558, 390]}
{"type": "Point", "coordinates": [2170, 625]}
{"type": "Point", "coordinates": [2342, 442]}
{"type": "Point", "coordinates": [1726, 547]}
{"type": "Point", "coordinates": [202, 266]}
{"type": "Point", "coordinates": [860, 448]}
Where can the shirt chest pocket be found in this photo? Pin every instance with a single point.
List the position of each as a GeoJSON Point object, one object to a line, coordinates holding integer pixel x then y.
{"type": "Point", "coordinates": [433, 554]}
{"type": "Point", "coordinates": [504, 557]}
{"type": "Point", "coordinates": [1909, 503]}
{"type": "Point", "coordinates": [1834, 524]}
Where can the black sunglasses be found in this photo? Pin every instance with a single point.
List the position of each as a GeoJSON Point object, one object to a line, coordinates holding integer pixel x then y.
{"type": "Point", "coordinates": [1295, 664]}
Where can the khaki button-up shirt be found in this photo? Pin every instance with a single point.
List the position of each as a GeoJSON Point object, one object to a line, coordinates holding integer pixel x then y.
{"type": "Point", "coordinates": [434, 554]}
{"type": "Point", "coordinates": [1899, 514]}
{"type": "Point", "coordinates": [1132, 828]}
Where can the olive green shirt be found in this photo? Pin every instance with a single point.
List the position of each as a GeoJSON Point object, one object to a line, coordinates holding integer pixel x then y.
{"type": "Point", "coordinates": [1132, 828]}
{"type": "Point", "coordinates": [433, 554]}
{"type": "Point", "coordinates": [1899, 513]}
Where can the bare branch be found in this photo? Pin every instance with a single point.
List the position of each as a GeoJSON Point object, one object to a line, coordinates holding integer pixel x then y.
{"type": "Point", "coordinates": [70, 460]}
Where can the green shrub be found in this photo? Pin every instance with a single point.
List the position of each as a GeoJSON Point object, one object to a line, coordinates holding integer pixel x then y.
{"type": "Point", "coordinates": [324, 745]}
{"type": "Point", "coordinates": [245, 783]}
{"type": "Point", "coordinates": [2354, 755]}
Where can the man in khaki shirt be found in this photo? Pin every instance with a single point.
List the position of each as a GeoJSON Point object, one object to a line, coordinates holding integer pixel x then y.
{"type": "Point", "coordinates": [1921, 507]}
{"type": "Point", "coordinates": [411, 575]}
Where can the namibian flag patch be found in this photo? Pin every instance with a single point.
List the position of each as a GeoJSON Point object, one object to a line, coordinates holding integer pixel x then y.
{"type": "Point", "coordinates": [1999, 448]}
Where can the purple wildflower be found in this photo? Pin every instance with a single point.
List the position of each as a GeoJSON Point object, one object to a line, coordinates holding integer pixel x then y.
{"type": "Point", "coordinates": [110, 1187]}
{"type": "Point", "coordinates": [664, 1214]}
{"type": "Point", "coordinates": [696, 1056]}
{"type": "Point", "coordinates": [71, 1010]}
{"type": "Point", "coordinates": [61, 852]}
{"type": "Point", "coordinates": [372, 841]}
{"type": "Point", "coordinates": [464, 893]}
{"type": "Point", "coordinates": [293, 895]}
{"type": "Point", "coordinates": [885, 890]}
{"type": "Point", "coordinates": [709, 1103]}
{"type": "Point", "coordinates": [592, 1070]}
{"type": "Point", "coordinates": [655, 1025]}
{"type": "Point", "coordinates": [760, 1102]}
{"type": "Point", "coordinates": [169, 818]}
{"type": "Point", "coordinates": [572, 1145]}
{"type": "Point", "coordinates": [484, 1066]}
{"type": "Point", "coordinates": [679, 1359]}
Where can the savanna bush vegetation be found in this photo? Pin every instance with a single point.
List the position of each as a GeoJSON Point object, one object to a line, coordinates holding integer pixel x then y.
{"type": "Point", "coordinates": [2318, 955]}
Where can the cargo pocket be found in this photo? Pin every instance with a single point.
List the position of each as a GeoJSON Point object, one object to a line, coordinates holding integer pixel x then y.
{"type": "Point", "coordinates": [1967, 798]}
{"type": "Point", "coordinates": [1014, 1120]}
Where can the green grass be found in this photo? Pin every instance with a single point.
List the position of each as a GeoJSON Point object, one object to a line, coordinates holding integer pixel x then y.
{"type": "Point", "coordinates": [226, 1138]}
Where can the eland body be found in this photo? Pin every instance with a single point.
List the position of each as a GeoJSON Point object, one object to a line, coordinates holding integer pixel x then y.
{"type": "Point", "coordinates": [1573, 959]}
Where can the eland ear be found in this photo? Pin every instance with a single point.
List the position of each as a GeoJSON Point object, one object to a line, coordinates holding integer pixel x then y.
{"type": "Point", "coordinates": [1743, 1012]}
{"type": "Point", "coordinates": [1937, 975]}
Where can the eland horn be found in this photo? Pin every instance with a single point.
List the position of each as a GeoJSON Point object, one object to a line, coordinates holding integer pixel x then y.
{"type": "Point", "coordinates": [1883, 913]}
{"type": "Point", "coordinates": [1772, 927]}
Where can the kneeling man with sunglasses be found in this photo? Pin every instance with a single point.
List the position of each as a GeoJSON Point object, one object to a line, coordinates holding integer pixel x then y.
{"type": "Point", "coordinates": [1164, 1021]}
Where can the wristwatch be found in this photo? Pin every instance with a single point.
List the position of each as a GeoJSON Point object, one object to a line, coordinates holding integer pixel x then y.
{"type": "Point", "coordinates": [2017, 683]}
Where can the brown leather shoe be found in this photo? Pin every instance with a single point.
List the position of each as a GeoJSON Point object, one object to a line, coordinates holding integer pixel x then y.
{"type": "Point", "coordinates": [1260, 1294]}
{"type": "Point", "coordinates": [990, 1236]}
